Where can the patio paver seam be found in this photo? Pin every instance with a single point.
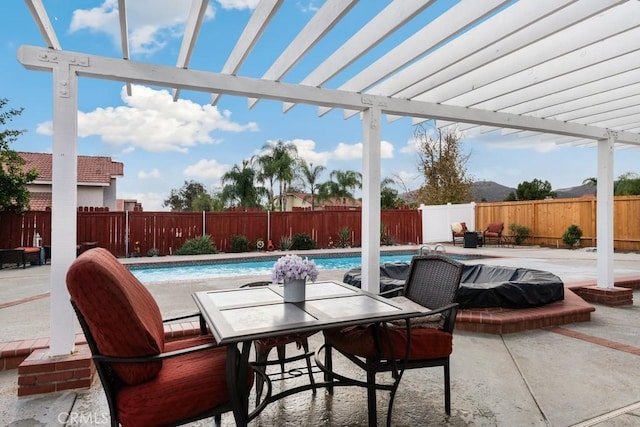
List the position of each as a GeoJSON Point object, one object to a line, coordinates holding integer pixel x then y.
{"type": "Point", "coordinates": [24, 300]}
{"type": "Point", "coordinates": [596, 340]}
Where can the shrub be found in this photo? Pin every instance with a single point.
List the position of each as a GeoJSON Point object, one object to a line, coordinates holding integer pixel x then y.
{"type": "Point", "coordinates": [198, 246]}
{"type": "Point", "coordinates": [572, 236]}
{"type": "Point", "coordinates": [285, 243]}
{"type": "Point", "coordinates": [519, 232]}
{"type": "Point", "coordinates": [303, 242]}
{"type": "Point", "coordinates": [239, 243]}
{"type": "Point", "coordinates": [153, 252]}
{"type": "Point", "coordinates": [385, 238]}
{"type": "Point", "coordinates": [344, 234]}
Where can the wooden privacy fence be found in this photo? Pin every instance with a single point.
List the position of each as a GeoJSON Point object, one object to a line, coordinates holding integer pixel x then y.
{"type": "Point", "coordinates": [125, 233]}
{"type": "Point", "coordinates": [549, 219]}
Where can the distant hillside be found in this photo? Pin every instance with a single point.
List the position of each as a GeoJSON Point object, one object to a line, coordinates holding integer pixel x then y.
{"type": "Point", "coordinates": [579, 191]}
{"type": "Point", "coordinates": [489, 191]}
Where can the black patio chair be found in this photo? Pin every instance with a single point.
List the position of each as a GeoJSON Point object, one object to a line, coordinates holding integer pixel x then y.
{"type": "Point", "coordinates": [264, 346]}
{"type": "Point", "coordinates": [432, 283]}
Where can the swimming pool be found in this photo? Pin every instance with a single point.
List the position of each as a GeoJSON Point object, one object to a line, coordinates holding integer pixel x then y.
{"type": "Point", "coordinates": [252, 267]}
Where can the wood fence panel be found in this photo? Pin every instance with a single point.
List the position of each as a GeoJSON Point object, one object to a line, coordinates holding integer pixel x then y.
{"type": "Point", "coordinates": [627, 222]}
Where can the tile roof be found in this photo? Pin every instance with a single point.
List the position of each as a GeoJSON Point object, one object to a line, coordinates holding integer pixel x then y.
{"type": "Point", "coordinates": [40, 201]}
{"type": "Point", "coordinates": [91, 169]}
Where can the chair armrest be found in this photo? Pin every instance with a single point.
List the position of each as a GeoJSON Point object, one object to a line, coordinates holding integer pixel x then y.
{"type": "Point", "coordinates": [400, 291]}
{"type": "Point", "coordinates": [156, 357]}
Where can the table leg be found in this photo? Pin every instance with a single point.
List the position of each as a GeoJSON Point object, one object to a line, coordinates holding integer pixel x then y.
{"type": "Point", "coordinates": [237, 368]}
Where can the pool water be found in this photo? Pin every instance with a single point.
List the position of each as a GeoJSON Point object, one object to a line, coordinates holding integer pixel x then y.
{"type": "Point", "coordinates": [247, 268]}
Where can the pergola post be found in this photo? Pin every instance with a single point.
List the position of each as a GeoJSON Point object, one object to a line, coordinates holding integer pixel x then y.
{"type": "Point", "coordinates": [63, 205]}
{"type": "Point", "coordinates": [604, 223]}
{"type": "Point", "coordinates": [371, 199]}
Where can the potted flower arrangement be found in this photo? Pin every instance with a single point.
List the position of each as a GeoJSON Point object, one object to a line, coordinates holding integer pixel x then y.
{"type": "Point", "coordinates": [294, 271]}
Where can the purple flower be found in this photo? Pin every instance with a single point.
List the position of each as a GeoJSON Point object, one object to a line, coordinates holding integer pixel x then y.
{"type": "Point", "coordinates": [292, 267]}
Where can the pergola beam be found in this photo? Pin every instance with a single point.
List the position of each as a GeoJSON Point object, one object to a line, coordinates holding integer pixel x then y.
{"type": "Point", "coordinates": [38, 58]}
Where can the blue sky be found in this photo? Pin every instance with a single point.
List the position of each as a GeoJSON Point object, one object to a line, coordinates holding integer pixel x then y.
{"type": "Point", "coordinates": [163, 143]}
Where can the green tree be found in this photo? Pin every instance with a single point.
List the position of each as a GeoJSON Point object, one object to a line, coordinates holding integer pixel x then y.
{"type": "Point", "coordinates": [309, 175]}
{"type": "Point", "coordinates": [534, 190]}
{"type": "Point", "coordinates": [13, 178]}
{"type": "Point", "coordinates": [628, 184]}
{"type": "Point", "coordinates": [278, 164]}
{"type": "Point", "coordinates": [341, 184]}
{"type": "Point", "coordinates": [182, 199]}
{"type": "Point", "coordinates": [443, 166]}
{"type": "Point", "coordinates": [389, 198]}
{"type": "Point", "coordinates": [240, 186]}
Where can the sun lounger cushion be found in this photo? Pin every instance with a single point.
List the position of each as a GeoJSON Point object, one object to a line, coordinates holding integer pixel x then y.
{"type": "Point", "coordinates": [132, 306]}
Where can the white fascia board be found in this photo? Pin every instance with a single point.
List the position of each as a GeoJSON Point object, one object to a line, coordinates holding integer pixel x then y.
{"type": "Point", "coordinates": [451, 22]}
{"type": "Point", "coordinates": [377, 29]}
{"type": "Point", "coordinates": [593, 106]}
{"type": "Point", "coordinates": [521, 25]}
{"type": "Point", "coordinates": [578, 36]}
{"type": "Point", "coordinates": [41, 19]}
{"type": "Point", "coordinates": [37, 58]}
{"type": "Point", "coordinates": [630, 61]}
{"type": "Point", "coordinates": [124, 35]}
{"type": "Point", "coordinates": [190, 36]}
{"type": "Point", "coordinates": [565, 100]}
{"type": "Point", "coordinates": [260, 18]}
{"type": "Point", "coordinates": [605, 50]}
{"type": "Point", "coordinates": [324, 20]}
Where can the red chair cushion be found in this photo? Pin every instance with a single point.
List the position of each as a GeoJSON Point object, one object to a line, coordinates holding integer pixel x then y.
{"type": "Point", "coordinates": [123, 317]}
{"type": "Point", "coordinates": [495, 228]}
{"type": "Point", "coordinates": [186, 386]}
{"type": "Point", "coordinates": [426, 343]}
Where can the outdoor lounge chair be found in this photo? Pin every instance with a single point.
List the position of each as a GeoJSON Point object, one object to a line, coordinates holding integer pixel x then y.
{"type": "Point", "coordinates": [147, 381]}
{"type": "Point", "coordinates": [433, 282]}
{"type": "Point", "coordinates": [264, 346]}
{"type": "Point", "coordinates": [457, 231]}
{"type": "Point", "coordinates": [13, 256]}
{"type": "Point", "coordinates": [493, 232]}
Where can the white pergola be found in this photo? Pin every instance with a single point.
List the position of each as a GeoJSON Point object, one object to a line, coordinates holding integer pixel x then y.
{"type": "Point", "coordinates": [565, 68]}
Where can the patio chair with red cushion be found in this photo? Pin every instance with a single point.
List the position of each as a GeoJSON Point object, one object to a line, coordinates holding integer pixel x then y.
{"type": "Point", "coordinates": [264, 346]}
{"type": "Point", "coordinates": [426, 341]}
{"type": "Point", "coordinates": [493, 232]}
{"type": "Point", "coordinates": [147, 381]}
{"type": "Point", "coordinates": [457, 231]}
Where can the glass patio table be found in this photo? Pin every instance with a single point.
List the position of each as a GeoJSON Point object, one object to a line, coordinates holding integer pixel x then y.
{"type": "Point", "coordinates": [239, 316]}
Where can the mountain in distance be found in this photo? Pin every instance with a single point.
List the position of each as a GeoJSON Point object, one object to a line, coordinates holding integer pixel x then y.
{"type": "Point", "coordinates": [489, 191]}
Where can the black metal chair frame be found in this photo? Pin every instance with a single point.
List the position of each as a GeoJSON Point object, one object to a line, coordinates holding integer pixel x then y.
{"type": "Point", "coordinates": [372, 366]}
{"type": "Point", "coordinates": [262, 358]}
{"type": "Point", "coordinates": [111, 383]}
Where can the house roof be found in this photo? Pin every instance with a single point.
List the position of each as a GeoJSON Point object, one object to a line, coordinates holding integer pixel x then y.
{"type": "Point", "coordinates": [39, 201]}
{"type": "Point", "coordinates": [91, 169]}
{"type": "Point", "coordinates": [333, 201]}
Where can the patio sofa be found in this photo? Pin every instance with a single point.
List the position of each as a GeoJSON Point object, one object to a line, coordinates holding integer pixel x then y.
{"type": "Point", "coordinates": [21, 256]}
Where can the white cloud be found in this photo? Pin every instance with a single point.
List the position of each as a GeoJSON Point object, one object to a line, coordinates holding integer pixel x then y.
{"type": "Point", "coordinates": [153, 173]}
{"type": "Point", "coordinates": [209, 169]}
{"type": "Point", "coordinates": [239, 4]}
{"type": "Point", "coordinates": [150, 28]}
{"type": "Point", "coordinates": [151, 202]}
{"type": "Point", "coordinates": [152, 121]}
{"type": "Point", "coordinates": [354, 151]}
{"type": "Point", "coordinates": [412, 147]}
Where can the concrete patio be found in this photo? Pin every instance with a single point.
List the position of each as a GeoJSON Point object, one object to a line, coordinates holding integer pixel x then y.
{"type": "Point", "coordinates": [581, 374]}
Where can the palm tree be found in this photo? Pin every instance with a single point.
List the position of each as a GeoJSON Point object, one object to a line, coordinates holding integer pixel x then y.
{"type": "Point", "coordinates": [267, 174]}
{"type": "Point", "coordinates": [239, 186]}
{"type": "Point", "coordinates": [309, 175]}
{"type": "Point", "coordinates": [278, 164]}
{"type": "Point", "coordinates": [346, 182]}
